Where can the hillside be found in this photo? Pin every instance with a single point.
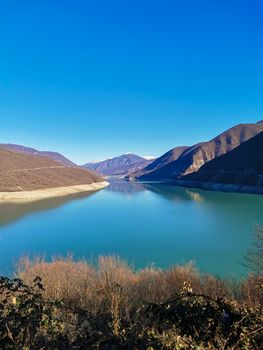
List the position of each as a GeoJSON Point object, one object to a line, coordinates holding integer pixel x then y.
{"type": "Point", "coordinates": [194, 157]}
{"type": "Point", "coordinates": [119, 166]}
{"type": "Point", "coordinates": [24, 172]}
{"type": "Point", "coordinates": [158, 163]}
{"type": "Point", "coordinates": [242, 166]}
{"type": "Point", "coordinates": [27, 150]}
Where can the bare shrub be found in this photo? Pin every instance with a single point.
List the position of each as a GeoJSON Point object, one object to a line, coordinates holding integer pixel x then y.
{"type": "Point", "coordinates": [252, 290]}
{"type": "Point", "coordinates": [95, 286]}
{"type": "Point", "coordinates": [112, 285]}
{"type": "Point", "coordinates": [114, 306]}
{"type": "Point", "coordinates": [64, 279]}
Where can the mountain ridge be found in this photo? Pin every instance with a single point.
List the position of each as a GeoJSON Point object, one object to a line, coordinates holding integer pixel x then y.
{"type": "Point", "coordinates": [194, 157]}
{"type": "Point", "coordinates": [29, 150]}
{"type": "Point", "coordinates": [166, 158]}
{"type": "Point", "coordinates": [241, 166]}
{"type": "Point", "coordinates": [27, 172]}
{"type": "Point", "coordinates": [119, 166]}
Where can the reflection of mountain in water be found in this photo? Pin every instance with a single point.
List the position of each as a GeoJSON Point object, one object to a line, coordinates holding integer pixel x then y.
{"type": "Point", "coordinates": [175, 193]}
{"type": "Point", "coordinates": [228, 203]}
{"type": "Point", "coordinates": [178, 194]}
{"type": "Point", "coordinates": [125, 187]}
{"type": "Point", "coordinates": [10, 212]}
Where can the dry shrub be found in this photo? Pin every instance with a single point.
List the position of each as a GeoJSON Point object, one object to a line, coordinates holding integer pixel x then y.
{"type": "Point", "coordinates": [110, 305]}
{"type": "Point", "coordinates": [64, 279]}
{"type": "Point", "coordinates": [180, 277]}
{"type": "Point", "coordinates": [112, 285]}
{"type": "Point", "coordinates": [252, 290]}
{"type": "Point", "coordinates": [216, 287]}
{"type": "Point", "coordinates": [89, 285]}
{"type": "Point", "coordinates": [157, 285]}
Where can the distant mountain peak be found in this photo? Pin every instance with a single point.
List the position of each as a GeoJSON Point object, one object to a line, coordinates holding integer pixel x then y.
{"type": "Point", "coordinates": [149, 157]}
{"type": "Point", "coordinates": [119, 166]}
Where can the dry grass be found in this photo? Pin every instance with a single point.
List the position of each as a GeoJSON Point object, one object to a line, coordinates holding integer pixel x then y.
{"type": "Point", "coordinates": [109, 305]}
{"type": "Point", "coordinates": [96, 287]}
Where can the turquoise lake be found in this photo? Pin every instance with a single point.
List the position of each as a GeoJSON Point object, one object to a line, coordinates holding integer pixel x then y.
{"type": "Point", "coordinates": [144, 223]}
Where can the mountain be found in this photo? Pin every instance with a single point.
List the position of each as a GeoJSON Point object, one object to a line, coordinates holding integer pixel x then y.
{"type": "Point", "coordinates": [194, 157]}
{"type": "Point", "coordinates": [242, 166]}
{"type": "Point", "coordinates": [158, 163]}
{"type": "Point", "coordinates": [27, 150]}
{"type": "Point", "coordinates": [24, 172]}
{"type": "Point", "coordinates": [119, 166]}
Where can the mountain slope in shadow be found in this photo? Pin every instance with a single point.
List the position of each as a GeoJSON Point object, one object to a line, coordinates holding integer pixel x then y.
{"type": "Point", "coordinates": [242, 166]}
{"type": "Point", "coordinates": [196, 156]}
{"type": "Point", "coordinates": [166, 158]}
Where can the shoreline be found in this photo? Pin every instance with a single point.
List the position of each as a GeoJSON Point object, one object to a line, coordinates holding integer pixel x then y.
{"type": "Point", "coordinates": [218, 187]}
{"type": "Point", "coordinates": [34, 195]}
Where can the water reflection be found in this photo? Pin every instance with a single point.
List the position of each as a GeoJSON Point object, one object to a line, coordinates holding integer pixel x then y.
{"type": "Point", "coordinates": [125, 187]}
{"type": "Point", "coordinates": [178, 194]}
{"type": "Point", "coordinates": [141, 222]}
{"type": "Point", "coordinates": [10, 212]}
{"type": "Point", "coordinates": [229, 204]}
{"type": "Point", "coordinates": [169, 192]}
{"type": "Point", "coordinates": [174, 193]}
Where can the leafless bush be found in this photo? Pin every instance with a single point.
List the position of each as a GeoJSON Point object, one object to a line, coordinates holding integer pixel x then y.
{"type": "Point", "coordinates": [109, 303]}
{"type": "Point", "coordinates": [111, 284]}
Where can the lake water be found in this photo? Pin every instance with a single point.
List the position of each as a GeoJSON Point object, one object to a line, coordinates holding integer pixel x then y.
{"type": "Point", "coordinates": [143, 223]}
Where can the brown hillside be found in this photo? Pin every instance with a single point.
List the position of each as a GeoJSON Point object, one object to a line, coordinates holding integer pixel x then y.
{"type": "Point", "coordinates": [241, 166]}
{"type": "Point", "coordinates": [158, 163]}
{"type": "Point", "coordinates": [28, 150]}
{"type": "Point", "coordinates": [194, 157]}
{"type": "Point", "coordinates": [23, 172]}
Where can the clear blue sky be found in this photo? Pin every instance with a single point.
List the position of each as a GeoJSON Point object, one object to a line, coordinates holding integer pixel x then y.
{"type": "Point", "coordinates": [94, 78]}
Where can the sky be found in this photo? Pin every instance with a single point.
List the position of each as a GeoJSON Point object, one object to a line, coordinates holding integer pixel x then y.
{"type": "Point", "coordinates": [94, 79]}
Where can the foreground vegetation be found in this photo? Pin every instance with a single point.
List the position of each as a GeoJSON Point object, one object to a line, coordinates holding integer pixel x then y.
{"type": "Point", "coordinates": [67, 304]}
{"type": "Point", "coordinates": [76, 305]}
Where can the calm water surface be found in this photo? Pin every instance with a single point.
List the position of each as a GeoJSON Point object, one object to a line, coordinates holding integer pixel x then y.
{"type": "Point", "coordinates": [143, 223]}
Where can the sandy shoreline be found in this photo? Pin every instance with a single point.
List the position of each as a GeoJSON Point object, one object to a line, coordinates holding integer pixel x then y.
{"type": "Point", "coordinates": [28, 196]}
